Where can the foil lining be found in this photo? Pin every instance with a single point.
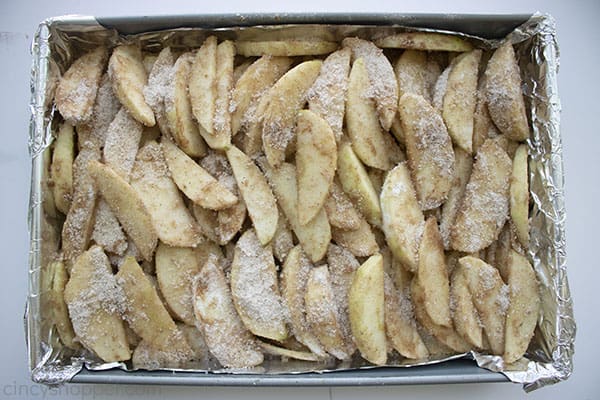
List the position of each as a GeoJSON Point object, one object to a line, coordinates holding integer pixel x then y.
{"type": "Point", "coordinates": [58, 41]}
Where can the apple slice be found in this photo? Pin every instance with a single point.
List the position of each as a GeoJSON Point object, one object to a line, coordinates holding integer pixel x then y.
{"type": "Point", "coordinates": [255, 289]}
{"type": "Point", "coordinates": [504, 95]}
{"type": "Point", "coordinates": [193, 180]}
{"type": "Point", "coordinates": [286, 98]}
{"type": "Point", "coordinates": [296, 47]}
{"type": "Point", "coordinates": [201, 84]}
{"type": "Point", "coordinates": [384, 87]}
{"type": "Point", "coordinates": [129, 77]}
{"type": "Point", "coordinates": [77, 89]}
{"type": "Point", "coordinates": [403, 220]}
{"type": "Point", "coordinates": [362, 124]}
{"type": "Point", "coordinates": [424, 41]}
{"type": "Point", "coordinates": [314, 236]}
{"type": "Point", "coordinates": [366, 306]}
{"type": "Point", "coordinates": [491, 298]}
{"type": "Point", "coordinates": [95, 302]}
{"type": "Point", "coordinates": [459, 99]}
{"type": "Point", "coordinates": [524, 308]}
{"type": "Point", "coordinates": [519, 195]}
{"type": "Point", "coordinates": [356, 183]}
{"type": "Point", "coordinates": [316, 162]}
{"type": "Point", "coordinates": [259, 199]}
{"type": "Point", "coordinates": [152, 181]}
{"type": "Point", "coordinates": [432, 274]}
{"type": "Point", "coordinates": [127, 206]}
{"type": "Point", "coordinates": [226, 336]}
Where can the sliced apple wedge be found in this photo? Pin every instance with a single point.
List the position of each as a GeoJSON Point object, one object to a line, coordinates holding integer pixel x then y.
{"type": "Point", "coordinates": [316, 162]}
{"type": "Point", "coordinates": [483, 126]}
{"type": "Point", "coordinates": [225, 334]}
{"type": "Point", "coordinates": [400, 325]}
{"type": "Point", "coordinates": [314, 236]}
{"type": "Point", "coordinates": [524, 308]}
{"type": "Point", "coordinates": [194, 181]}
{"type": "Point", "coordinates": [322, 313]}
{"type": "Point", "coordinates": [411, 70]}
{"type": "Point", "coordinates": [519, 195]}
{"type": "Point", "coordinates": [122, 143]}
{"type": "Point", "coordinates": [77, 89]}
{"type": "Point", "coordinates": [129, 77]}
{"type": "Point", "coordinates": [504, 95]}
{"type": "Point", "coordinates": [252, 84]}
{"type": "Point", "coordinates": [259, 199]}
{"type": "Point", "coordinates": [295, 47]}
{"type": "Point", "coordinates": [231, 219]}
{"type": "Point", "coordinates": [294, 278]}
{"type": "Point", "coordinates": [255, 289]}
{"type": "Point", "coordinates": [61, 169]}
{"type": "Point", "coordinates": [424, 41]}
{"type": "Point", "coordinates": [178, 109]}
{"type": "Point", "coordinates": [175, 269]}
{"type": "Point", "coordinates": [202, 84]}
{"type": "Point", "coordinates": [366, 309]}
{"type": "Point", "coordinates": [439, 89]}
{"type": "Point", "coordinates": [127, 206]}
{"type": "Point", "coordinates": [286, 98]}
{"type": "Point", "coordinates": [447, 336]}
{"type": "Point", "coordinates": [147, 315]}
{"type": "Point", "coordinates": [79, 223]}
{"type": "Point", "coordinates": [362, 123]}
{"type": "Point", "coordinates": [384, 87]}
{"type": "Point", "coordinates": [491, 298]}
{"type": "Point", "coordinates": [460, 97]}
{"type": "Point", "coordinates": [287, 353]}
{"type": "Point", "coordinates": [356, 183]}
{"type": "Point", "coordinates": [340, 210]}
{"type": "Point", "coordinates": [429, 150]}
{"type": "Point", "coordinates": [432, 275]}
{"type": "Point", "coordinates": [465, 317]}
{"type": "Point", "coordinates": [342, 267]}
{"type": "Point", "coordinates": [59, 310]}
{"type": "Point", "coordinates": [484, 207]}
{"type": "Point", "coordinates": [95, 303]}
{"type": "Point", "coordinates": [107, 230]}
{"type": "Point", "coordinates": [152, 181]}
{"type": "Point", "coordinates": [403, 220]}
{"type": "Point", "coordinates": [158, 80]}
{"type": "Point", "coordinates": [221, 133]}
{"type": "Point", "coordinates": [326, 97]}
{"type": "Point", "coordinates": [463, 164]}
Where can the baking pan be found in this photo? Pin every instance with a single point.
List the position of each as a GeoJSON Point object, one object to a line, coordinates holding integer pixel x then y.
{"type": "Point", "coordinates": [465, 370]}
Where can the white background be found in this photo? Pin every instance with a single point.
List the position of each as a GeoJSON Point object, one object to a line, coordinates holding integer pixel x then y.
{"type": "Point", "coordinates": [578, 34]}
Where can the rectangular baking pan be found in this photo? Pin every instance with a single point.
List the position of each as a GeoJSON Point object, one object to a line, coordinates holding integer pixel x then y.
{"type": "Point", "coordinates": [454, 371]}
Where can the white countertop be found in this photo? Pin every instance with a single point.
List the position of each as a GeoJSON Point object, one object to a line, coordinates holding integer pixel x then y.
{"type": "Point", "coordinates": [578, 34]}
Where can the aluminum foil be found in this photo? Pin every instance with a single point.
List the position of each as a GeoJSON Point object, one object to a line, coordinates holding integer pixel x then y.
{"type": "Point", "coordinates": [60, 40]}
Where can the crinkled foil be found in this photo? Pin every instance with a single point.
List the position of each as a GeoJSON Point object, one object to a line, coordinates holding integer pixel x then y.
{"type": "Point", "coordinates": [550, 355]}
